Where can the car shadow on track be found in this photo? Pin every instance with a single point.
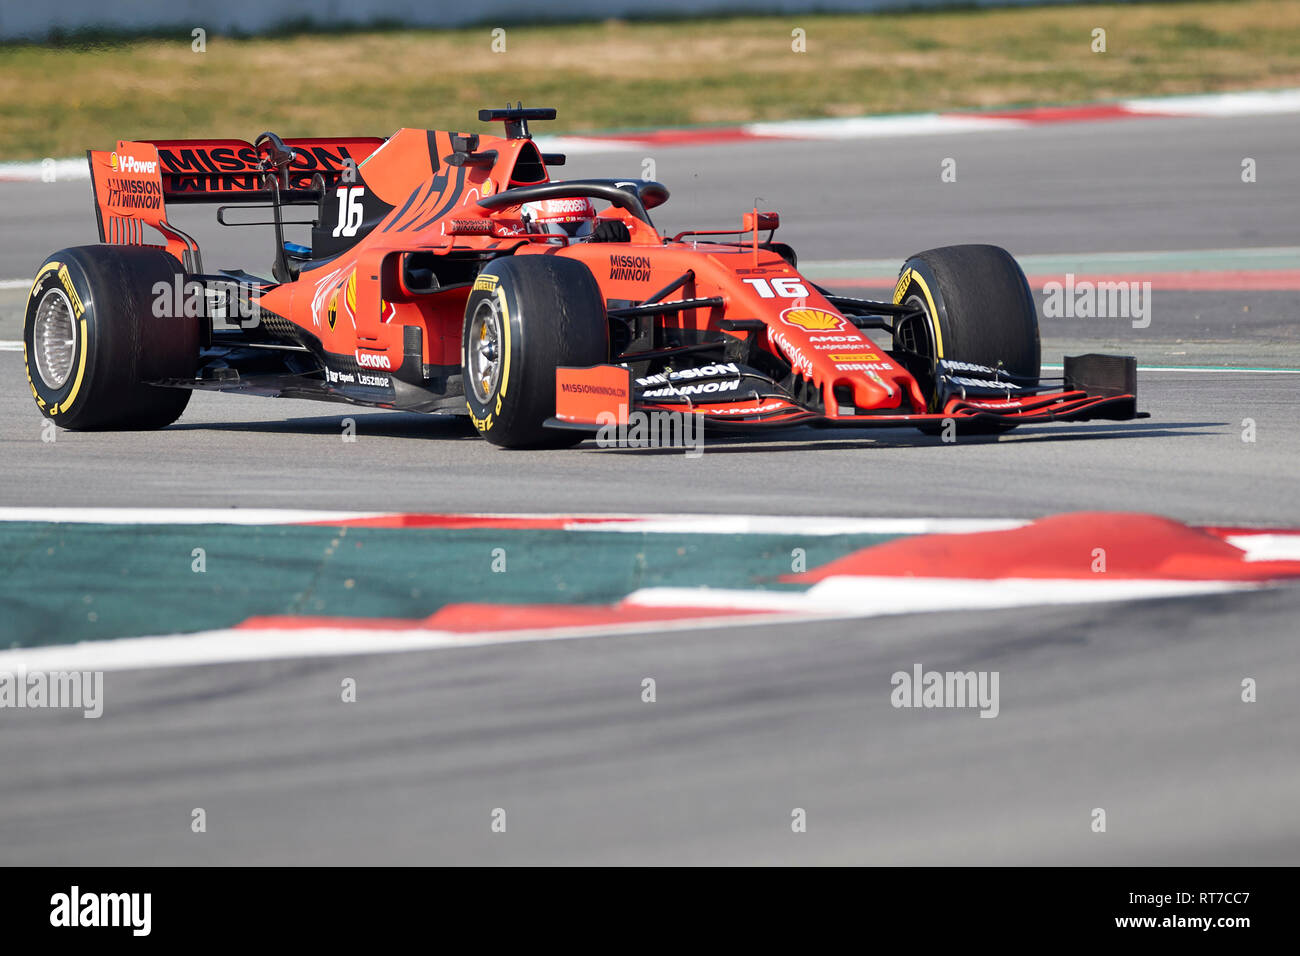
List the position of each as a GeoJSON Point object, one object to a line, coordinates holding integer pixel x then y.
{"type": "Point", "coordinates": [393, 425]}
{"type": "Point", "coordinates": [808, 439]}
{"type": "Point", "coordinates": [454, 427]}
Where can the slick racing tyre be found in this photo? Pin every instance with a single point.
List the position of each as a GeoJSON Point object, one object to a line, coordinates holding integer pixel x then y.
{"type": "Point", "coordinates": [93, 338]}
{"type": "Point", "coordinates": [525, 316]}
{"type": "Point", "coordinates": [975, 307]}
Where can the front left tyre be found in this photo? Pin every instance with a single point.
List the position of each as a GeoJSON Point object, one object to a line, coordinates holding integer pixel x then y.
{"type": "Point", "coordinates": [98, 330]}
{"type": "Point", "coordinates": [973, 304]}
{"type": "Point", "coordinates": [526, 316]}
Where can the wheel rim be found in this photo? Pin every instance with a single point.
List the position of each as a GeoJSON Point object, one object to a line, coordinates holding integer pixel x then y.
{"type": "Point", "coordinates": [916, 336]}
{"type": "Point", "coordinates": [484, 351]}
{"type": "Point", "coordinates": [54, 338]}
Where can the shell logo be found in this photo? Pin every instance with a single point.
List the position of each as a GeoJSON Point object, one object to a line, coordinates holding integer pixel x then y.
{"type": "Point", "coordinates": [112, 161]}
{"type": "Point", "coordinates": [812, 320]}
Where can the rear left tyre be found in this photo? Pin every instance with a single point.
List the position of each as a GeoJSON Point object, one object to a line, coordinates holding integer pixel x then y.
{"type": "Point", "coordinates": [94, 337]}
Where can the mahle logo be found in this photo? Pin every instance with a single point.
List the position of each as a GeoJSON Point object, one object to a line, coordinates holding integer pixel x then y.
{"type": "Point", "coordinates": [812, 320]}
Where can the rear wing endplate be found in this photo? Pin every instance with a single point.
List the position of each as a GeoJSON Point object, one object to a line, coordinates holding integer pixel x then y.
{"type": "Point", "coordinates": [134, 183]}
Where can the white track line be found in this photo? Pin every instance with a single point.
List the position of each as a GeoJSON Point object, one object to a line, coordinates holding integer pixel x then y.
{"type": "Point", "coordinates": [1262, 545]}
{"type": "Point", "coordinates": [1215, 105]}
{"type": "Point", "coordinates": [1267, 546]}
{"type": "Point", "coordinates": [816, 526]}
{"type": "Point", "coordinates": [1245, 103]}
{"type": "Point", "coordinates": [873, 127]}
{"type": "Point", "coordinates": [180, 516]}
{"type": "Point", "coordinates": [790, 524]}
{"type": "Point", "coordinates": [871, 596]}
{"type": "Point", "coordinates": [69, 169]}
{"type": "Point", "coordinates": [833, 599]}
{"type": "Point", "coordinates": [585, 145]}
{"type": "Point", "coordinates": [236, 645]}
{"type": "Point", "coordinates": [1223, 370]}
{"type": "Point", "coordinates": [1227, 370]}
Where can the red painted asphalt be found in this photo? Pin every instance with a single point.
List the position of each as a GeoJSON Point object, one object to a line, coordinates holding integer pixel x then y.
{"type": "Point", "coordinates": [1080, 546]}
{"type": "Point", "coordinates": [1097, 546]}
{"type": "Point", "coordinates": [475, 618]}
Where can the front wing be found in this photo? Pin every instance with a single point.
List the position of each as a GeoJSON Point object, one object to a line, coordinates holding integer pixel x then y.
{"type": "Point", "coordinates": [1093, 387]}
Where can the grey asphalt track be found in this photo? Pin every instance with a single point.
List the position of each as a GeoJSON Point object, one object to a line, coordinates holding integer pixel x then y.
{"type": "Point", "coordinates": [1188, 461]}
{"type": "Point", "coordinates": [1132, 708]}
{"type": "Point", "coordinates": [1136, 184]}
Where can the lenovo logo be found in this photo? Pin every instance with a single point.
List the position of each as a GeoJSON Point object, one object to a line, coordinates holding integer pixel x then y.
{"type": "Point", "coordinates": [365, 360]}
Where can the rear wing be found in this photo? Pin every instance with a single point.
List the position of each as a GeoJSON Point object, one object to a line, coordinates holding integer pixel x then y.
{"type": "Point", "coordinates": [134, 183]}
{"type": "Point", "coordinates": [227, 170]}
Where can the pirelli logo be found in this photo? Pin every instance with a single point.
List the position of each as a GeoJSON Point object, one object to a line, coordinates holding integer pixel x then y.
{"type": "Point", "coordinates": [485, 283]}
{"type": "Point", "coordinates": [901, 287]}
{"type": "Point", "coordinates": [77, 308]}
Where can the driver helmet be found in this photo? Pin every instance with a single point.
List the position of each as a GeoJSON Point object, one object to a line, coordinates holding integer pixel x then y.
{"type": "Point", "coordinates": [573, 217]}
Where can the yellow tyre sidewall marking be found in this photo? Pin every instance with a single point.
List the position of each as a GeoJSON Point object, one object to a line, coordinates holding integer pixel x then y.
{"type": "Point", "coordinates": [48, 267]}
{"type": "Point", "coordinates": [82, 348]}
{"type": "Point", "coordinates": [27, 365]}
{"type": "Point", "coordinates": [934, 315]}
{"type": "Point", "coordinates": [81, 369]}
{"type": "Point", "coordinates": [900, 292]}
{"type": "Point", "coordinates": [505, 351]}
{"type": "Point", "coordinates": [485, 424]}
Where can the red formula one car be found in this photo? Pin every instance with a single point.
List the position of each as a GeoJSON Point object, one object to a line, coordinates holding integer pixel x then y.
{"type": "Point", "coordinates": [447, 272]}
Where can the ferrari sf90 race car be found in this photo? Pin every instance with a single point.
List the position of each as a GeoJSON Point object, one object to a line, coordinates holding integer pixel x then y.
{"type": "Point", "coordinates": [449, 273]}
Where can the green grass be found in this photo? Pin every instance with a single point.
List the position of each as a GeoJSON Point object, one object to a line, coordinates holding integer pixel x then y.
{"type": "Point", "coordinates": [60, 98]}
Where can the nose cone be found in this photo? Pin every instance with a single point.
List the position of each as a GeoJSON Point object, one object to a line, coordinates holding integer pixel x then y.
{"type": "Point", "coordinates": [876, 382]}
